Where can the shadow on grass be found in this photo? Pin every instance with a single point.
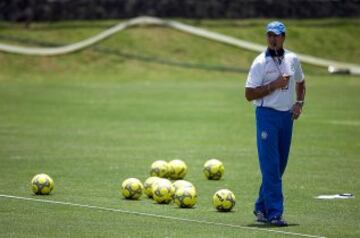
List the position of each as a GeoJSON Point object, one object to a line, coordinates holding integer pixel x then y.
{"type": "Point", "coordinates": [131, 199]}
{"type": "Point", "coordinates": [223, 212]}
{"type": "Point", "coordinates": [184, 208]}
{"type": "Point", "coordinates": [266, 225]}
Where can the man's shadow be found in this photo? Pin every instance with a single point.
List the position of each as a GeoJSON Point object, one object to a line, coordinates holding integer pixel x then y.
{"type": "Point", "coordinates": [268, 225]}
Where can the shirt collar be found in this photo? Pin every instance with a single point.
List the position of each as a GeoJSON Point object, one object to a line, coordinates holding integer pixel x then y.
{"type": "Point", "coordinates": [272, 53]}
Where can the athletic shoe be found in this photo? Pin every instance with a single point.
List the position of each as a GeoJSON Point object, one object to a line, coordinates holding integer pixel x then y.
{"type": "Point", "coordinates": [260, 217]}
{"type": "Point", "coordinates": [278, 221]}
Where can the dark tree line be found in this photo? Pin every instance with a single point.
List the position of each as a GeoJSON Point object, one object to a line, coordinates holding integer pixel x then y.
{"type": "Point", "coordinates": [52, 10]}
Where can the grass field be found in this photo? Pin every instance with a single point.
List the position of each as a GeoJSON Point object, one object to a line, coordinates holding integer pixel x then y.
{"type": "Point", "coordinates": [92, 119]}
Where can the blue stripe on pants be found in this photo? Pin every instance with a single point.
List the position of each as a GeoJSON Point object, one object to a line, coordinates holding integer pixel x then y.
{"type": "Point", "coordinates": [274, 130]}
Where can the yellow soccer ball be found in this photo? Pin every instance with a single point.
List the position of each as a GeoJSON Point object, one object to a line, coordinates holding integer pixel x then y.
{"type": "Point", "coordinates": [163, 191]}
{"type": "Point", "coordinates": [132, 188]}
{"type": "Point", "coordinates": [42, 184]}
{"type": "Point", "coordinates": [148, 185]}
{"type": "Point", "coordinates": [177, 169]}
{"type": "Point", "coordinates": [159, 168]}
{"type": "Point", "coordinates": [213, 169]}
{"type": "Point", "coordinates": [185, 197]}
{"type": "Point", "coordinates": [182, 183]}
{"type": "Point", "coordinates": [224, 200]}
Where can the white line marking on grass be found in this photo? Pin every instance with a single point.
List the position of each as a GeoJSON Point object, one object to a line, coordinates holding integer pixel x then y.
{"type": "Point", "coordinates": [159, 216]}
{"type": "Point", "coordinates": [344, 122]}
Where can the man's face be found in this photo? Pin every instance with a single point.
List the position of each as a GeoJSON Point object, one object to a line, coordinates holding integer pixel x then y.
{"type": "Point", "coordinates": [275, 42]}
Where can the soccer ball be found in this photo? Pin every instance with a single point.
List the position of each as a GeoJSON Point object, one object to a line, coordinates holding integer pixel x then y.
{"type": "Point", "coordinates": [148, 186]}
{"type": "Point", "coordinates": [132, 188]}
{"type": "Point", "coordinates": [177, 169]}
{"type": "Point", "coordinates": [213, 169]}
{"type": "Point", "coordinates": [224, 200]}
{"type": "Point", "coordinates": [42, 184]}
{"type": "Point", "coordinates": [159, 168]}
{"type": "Point", "coordinates": [163, 191]}
{"type": "Point", "coordinates": [185, 197]}
{"type": "Point", "coordinates": [182, 183]}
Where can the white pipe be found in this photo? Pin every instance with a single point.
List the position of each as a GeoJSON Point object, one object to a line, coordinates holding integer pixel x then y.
{"type": "Point", "coordinates": [60, 50]}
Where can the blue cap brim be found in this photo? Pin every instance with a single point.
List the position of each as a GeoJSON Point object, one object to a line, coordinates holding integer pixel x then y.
{"type": "Point", "coordinates": [275, 31]}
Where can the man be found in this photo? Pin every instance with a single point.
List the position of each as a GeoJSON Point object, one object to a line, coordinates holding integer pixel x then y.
{"type": "Point", "coordinates": [276, 85]}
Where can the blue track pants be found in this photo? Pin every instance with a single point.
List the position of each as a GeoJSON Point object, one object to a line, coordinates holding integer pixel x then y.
{"type": "Point", "coordinates": [274, 130]}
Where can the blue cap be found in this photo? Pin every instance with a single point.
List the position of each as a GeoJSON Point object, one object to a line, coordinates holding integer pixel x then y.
{"type": "Point", "coordinates": [276, 27]}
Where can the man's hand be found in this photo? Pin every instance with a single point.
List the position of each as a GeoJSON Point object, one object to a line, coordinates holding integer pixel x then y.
{"type": "Point", "coordinates": [300, 96]}
{"type": "Point", "coordinates": [264, 90]}
{"type": "Point", "coordinates": [296, 111]}
{"type": "Point", "coordinates": [281, 82]}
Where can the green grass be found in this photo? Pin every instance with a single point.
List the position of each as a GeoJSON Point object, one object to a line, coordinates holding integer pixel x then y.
{"type": "Point", "coordinates": [91, 119]}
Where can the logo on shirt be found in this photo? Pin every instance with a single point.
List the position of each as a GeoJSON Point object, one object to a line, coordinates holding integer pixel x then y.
{"type": "Point", "coordinates": [264, 135]}
{"type": "Point", "coordinates": [292, 67]}
{"type": "Point", "coordinates": [271, 71]}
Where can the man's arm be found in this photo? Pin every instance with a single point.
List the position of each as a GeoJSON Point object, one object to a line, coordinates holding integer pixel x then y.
{"type": "Point", "coordinates": [262, 91]}
{"type": "Point", "coordinates": [300, 91]}
{"type": "Point", "coordinates": [300, 97]}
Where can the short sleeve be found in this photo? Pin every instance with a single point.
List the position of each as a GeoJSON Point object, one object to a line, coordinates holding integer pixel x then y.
{"type": "Point", "coordinates": [298, 72]}
{"type": "Point", "coordinates": [255, 76]}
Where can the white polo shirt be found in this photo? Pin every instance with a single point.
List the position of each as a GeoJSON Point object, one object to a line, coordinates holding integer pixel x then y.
{"type": "Point", "coordinates": [264, 70]}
